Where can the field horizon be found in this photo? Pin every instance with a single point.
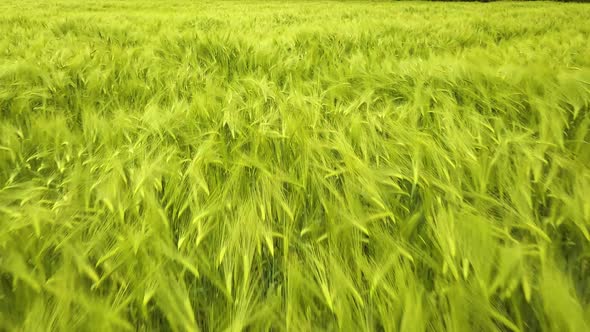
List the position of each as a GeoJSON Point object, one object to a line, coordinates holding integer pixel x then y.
{"type": "Point", "coordinates": [294, 166]}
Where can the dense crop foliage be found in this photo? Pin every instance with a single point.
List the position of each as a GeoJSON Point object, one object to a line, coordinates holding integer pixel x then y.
{"type": "Point", "coordinates": [294, 166]}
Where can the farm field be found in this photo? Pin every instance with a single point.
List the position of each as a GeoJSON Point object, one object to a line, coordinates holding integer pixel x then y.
{"type": "Point", "coordinates": [294, 166]}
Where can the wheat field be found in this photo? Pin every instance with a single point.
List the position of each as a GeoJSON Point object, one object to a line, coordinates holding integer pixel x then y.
{"type": "Point", "coordinates": [294, 166]}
